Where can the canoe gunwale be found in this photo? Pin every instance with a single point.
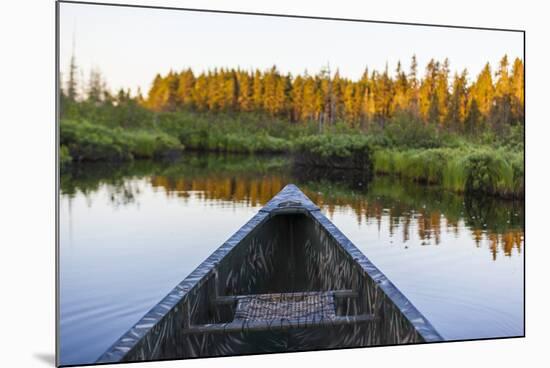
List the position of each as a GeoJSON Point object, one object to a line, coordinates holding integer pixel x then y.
{"type": "Point", "coordinates": [403, 304]}
{"type": "Point", "coordinates": [207, 269]}
{"type": "Point", "coordinates": [179, 294]}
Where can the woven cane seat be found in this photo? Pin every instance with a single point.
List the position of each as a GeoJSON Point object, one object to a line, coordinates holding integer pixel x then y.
{"type": "Point", "coordinates": [261, 312]}
{"type": "Point", "coordinates": [290, 306]}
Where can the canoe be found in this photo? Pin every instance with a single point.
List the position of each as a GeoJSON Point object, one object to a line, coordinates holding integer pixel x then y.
{"type": "Point", "coordinates": [288, 280]}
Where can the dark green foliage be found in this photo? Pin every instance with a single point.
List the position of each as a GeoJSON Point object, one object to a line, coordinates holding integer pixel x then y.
{"type": "Point", "coordinates": [230, 132]}
{"type": "Point", "coordinates": [405, 131]}
{"type": "Point", "coordinates": [92, 142]}
{"type": "Point", "coordinates": [519, 174]}
{"type": "Point", "coordinates": [65, 158]}
{"type": "Point", "coordinates": [338, 151]}
{"type": "Point", "coordinates": [488, 173]}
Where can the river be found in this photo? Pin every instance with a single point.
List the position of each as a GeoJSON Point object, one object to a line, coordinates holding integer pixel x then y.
{"type": "Point", "coordinates": [130, 232]}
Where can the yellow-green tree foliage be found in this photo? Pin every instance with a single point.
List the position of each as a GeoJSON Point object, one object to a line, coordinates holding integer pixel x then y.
{"type": "Point", "coordinates": [517, 90]}
{"type": "Point", "coordinates": [457, 108]}
{"type": "Point", "coordinates": [447, 101]}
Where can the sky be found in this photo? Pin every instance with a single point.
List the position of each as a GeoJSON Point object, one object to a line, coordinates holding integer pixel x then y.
{"type": "Point", "coordinates": [131, 45]}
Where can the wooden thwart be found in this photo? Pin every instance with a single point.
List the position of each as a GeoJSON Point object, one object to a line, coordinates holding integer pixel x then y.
{"type": "Point", "coordinates": [282, 311]}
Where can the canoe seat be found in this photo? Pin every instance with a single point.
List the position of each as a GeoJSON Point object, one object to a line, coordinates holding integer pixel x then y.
{"type": "Point", "coordinates": [260, 312]}
{"type": "Point", "coordinates": [267, 307]}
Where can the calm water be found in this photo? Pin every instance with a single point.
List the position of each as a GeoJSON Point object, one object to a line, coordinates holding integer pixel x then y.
{"type": "Point", "coordinates": [130, 233]}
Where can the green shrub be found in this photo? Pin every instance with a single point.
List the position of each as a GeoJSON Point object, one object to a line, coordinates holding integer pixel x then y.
{"type": "Point", "coordinates": [65, 158]}
{"type": "Point", "coordinates": [145, 144]}
{"type": "Point", "coordinates": [339, 151]}
{"type": "Point", "coordinates": [325, 145]}
{"type": "Point", "coordinates": [519, 174]}
{"type": "Point", "coordinates": [406, 131]}
{"type": "Point", "coordinates": [488, 172]}
{"type": "Point", "coordinates": [91, 142]}
{"type": "Point", "coordinates": [245, 143]}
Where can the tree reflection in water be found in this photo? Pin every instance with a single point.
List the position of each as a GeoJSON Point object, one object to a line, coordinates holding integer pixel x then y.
{"type": "Point", "coordinates": [254, 180]}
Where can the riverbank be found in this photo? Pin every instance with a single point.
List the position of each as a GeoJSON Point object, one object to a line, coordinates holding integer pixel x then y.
{"type": "Point", "coordinates": [84, 141]}
{"type": "Point", "coordinates": [485, 164]}
{"type": "Point", "coordinates": [470, 170]}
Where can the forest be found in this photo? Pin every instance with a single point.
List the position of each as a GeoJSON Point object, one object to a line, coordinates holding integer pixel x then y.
{"type": "Point", "coordinates": [459, 131]}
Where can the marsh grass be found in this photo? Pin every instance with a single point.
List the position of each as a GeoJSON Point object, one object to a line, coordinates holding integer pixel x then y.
{"type": "Point", "coordinates": [476, 170]}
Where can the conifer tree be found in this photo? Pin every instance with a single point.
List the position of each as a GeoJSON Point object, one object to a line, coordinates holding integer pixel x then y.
{"type": "Point", "coordinates": [244, 82]}
{"type": "Point", "coordinates": [517, 90]}
{"type": "Point", "coordinates": [170, 92]}
{"type": "Point", "coordinates": [350, 111]}
{"type": "Point", "coordinates": [412, 92]}
{"type": "Point", "coordinates": [483, 91]}
{"type": "Point", "coordinates": [200, 93]}
{"type": "Point", "coordinates": [383, 89]}
{"type": "Point", "coordinates": [458, 100]}
{"type": "Point", "coordinates": [427, 93]}
{"type": "Point", "coordinates": [473, 118]}
{"type": "Point", "coordinates": [72, 83]}
{"type": "Point", "coordinates": [297, 99]}
{"type": "Point", "coordinates": [185, 88]}
{"type": "Point", "coordinates": [400, 100]}
{"type": "Point", "coordinates": [154, 97]}
{"type": "Point", "coordinates": [450, 103]}
{"type": "Point", "coordinates": [309, 99]}
{"type": "Point", "coordinates": [501, 110]}
{"type": "Point", "coordinates": [442, 91]}
{"type": "Point", "coordinates": [257, 90]}
{"type": "Point", "coordinates": [96, 87]}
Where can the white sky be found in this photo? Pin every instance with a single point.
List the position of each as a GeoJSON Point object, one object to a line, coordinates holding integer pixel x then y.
{"type": "Point", "coordinates": [131, 45]}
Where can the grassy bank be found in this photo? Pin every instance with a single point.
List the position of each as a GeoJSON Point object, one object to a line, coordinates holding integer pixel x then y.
{"type": "Point", "coordinates": [485, 163]}
{"type": "Point", "coordinates": [83, 141]}
{"type": "Point", "coordinates": [464, 170]}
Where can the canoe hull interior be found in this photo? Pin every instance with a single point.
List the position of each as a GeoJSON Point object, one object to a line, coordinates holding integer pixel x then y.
{"type": "Point", "coordinates": [290, 251]}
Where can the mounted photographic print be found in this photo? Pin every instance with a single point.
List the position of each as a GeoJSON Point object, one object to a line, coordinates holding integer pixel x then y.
{"type": "Point", "coordinates": [236, 183]}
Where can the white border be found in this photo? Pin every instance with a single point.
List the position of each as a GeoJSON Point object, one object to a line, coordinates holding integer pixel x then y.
{"type": "Point", "coordinates": [27, 181]}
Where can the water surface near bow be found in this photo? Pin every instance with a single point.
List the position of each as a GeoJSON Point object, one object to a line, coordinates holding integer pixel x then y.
{"type": "Point", "coordinates": [129, 233]}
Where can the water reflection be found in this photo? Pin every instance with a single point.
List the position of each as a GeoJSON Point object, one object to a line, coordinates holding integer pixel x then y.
{"type": "Point", "coordinates": [252, 181]}
{"type": "Point", "coordinates": [130, 232]}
